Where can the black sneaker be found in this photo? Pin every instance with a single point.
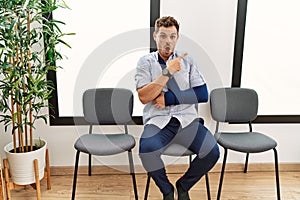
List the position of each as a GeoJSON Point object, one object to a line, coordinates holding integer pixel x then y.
{"type": "Point", "coordinates": [170, 195]}
{"type": "Point", "coordinates": [182, 194]}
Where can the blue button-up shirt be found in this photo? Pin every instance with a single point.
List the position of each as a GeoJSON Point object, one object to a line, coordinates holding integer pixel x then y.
{"type": "Point", "coordinates": [148, 69]}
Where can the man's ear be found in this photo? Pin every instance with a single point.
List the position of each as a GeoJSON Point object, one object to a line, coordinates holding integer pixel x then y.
{"type": "Point", "coordinates": [154, 36]}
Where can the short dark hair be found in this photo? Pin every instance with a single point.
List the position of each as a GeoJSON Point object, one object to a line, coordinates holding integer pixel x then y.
{"type": "Point", "coordinates": [166, 21]}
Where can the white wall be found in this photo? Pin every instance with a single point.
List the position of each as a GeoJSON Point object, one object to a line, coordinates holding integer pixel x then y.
{"type": "Point", "coordinates": [210, 25]}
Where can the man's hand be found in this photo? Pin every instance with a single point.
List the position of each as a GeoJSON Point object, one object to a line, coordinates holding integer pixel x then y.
{"type": "Point", "coordinates": [159, 102]}
{"type": "Point", "coordinates": [174, 65]}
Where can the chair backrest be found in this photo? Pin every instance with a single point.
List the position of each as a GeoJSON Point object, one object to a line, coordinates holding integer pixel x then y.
{"type": "Point", "coordinates": [108, 106]}
{"type": "Point", "coordinates": [233, 104]}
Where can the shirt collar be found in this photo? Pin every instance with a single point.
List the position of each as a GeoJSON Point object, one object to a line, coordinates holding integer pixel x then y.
{"type": "Point", "coordinates": [161, 61]}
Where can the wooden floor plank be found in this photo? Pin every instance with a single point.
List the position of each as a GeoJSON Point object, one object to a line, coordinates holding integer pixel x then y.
{"type": "Point", "coordinates": [237, 186]}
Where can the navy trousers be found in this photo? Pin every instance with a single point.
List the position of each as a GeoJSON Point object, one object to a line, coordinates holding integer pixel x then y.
{"type": "Point", "coordinates": [195, 137]}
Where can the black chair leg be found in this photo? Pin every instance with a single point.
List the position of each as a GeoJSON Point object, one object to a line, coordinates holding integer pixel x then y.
{"type": "Point", "coordinates": [147, 186]}
{"type": "Point", "coordinates": [277, 174]}
{"type": "Point", "coordinates": [207, 187]}
{"type": "Point", "coordinates": [246, 163]}
{"type": "Point", "coordinates": [90, 164]}
{"type": "Point", "coordinates": [132, 174]}
{"type": "Point", "coordinates": [222, 174]}
{"type": "Point", "coordinates": [75, 175]}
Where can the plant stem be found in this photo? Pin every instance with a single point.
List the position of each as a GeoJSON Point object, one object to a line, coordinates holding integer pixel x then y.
{"type": "Point", "coordinates": [13, 110]}
{"type": "Point", "coordinates": [19, 114]}
{"type": "Point", "coordinates": [29, 67]}
{"type": "Point", "coordinates": [21, 144]}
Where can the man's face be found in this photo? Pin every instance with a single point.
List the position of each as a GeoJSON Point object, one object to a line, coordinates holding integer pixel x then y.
{"type": "Point", "coordinates": [166, 39]}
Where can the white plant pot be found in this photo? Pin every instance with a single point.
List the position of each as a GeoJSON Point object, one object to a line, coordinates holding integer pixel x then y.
{"type": "Point", "coordinates": [21, 165]}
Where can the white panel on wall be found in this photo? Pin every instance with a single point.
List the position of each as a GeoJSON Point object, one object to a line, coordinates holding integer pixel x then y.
{"type": "Point", "coordinates": [271, 63]}
{"type": "Point", "coordinates": [210, 25]}
{"type": "Point", "coordinates": [110, 37]}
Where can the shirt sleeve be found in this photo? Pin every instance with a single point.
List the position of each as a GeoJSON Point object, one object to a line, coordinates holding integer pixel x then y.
{"type": "Point", "coordinates": [196, 78]}
{"type": "Point", "coordinates": [193, 95]}
{"type": "Point", "coordinates": [143, 73]}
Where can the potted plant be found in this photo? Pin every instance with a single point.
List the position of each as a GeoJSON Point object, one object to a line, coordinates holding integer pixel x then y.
{"type": "Point", "coordinates": [28, 35]}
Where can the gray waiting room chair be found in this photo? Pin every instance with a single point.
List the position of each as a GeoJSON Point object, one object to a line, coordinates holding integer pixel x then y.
{"type": "Point", "coordinates": [239, 105]}
{"type": "Point", "coordinates": [178, 151]}
{"type": "Point", "coordinates": [106, 106]}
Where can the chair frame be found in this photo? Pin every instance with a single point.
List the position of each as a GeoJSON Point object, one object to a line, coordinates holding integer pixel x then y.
{"type": "Point", "coordinates": [132, 173]}
{"type": "Point", "coordinates": [130, 159]}
{"type": "Point", "coordinates": [246, 166]}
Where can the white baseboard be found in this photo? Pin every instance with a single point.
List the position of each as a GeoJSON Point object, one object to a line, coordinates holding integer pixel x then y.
{"type": "Point", "coordinates": [123, 169]}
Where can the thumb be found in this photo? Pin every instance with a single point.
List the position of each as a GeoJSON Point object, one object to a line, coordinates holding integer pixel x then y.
{"type": "Point", "coordinates": [182, 56]}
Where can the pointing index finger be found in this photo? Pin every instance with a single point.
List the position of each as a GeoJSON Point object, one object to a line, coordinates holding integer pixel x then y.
{"type": "Point", "coordinates": [182, 56]}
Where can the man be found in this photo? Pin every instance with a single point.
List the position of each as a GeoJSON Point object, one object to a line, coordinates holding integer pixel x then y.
{"type": "Point", "coordinates": [170, 85]}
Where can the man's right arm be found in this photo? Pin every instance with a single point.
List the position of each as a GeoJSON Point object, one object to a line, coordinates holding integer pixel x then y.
{"type": "Point", "coordinates": [150, 91]}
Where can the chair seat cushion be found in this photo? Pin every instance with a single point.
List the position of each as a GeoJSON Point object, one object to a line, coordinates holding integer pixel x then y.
{"type": "Point", "coordinates": [177, 150]}
{"type": "Point", "coordinates": [104, 144]}
{"type": "Point", "coordinates": [248, 142]}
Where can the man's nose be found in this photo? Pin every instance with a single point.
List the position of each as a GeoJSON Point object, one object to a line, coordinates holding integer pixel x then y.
{"type": "Point", "coordinates": [168, 40]}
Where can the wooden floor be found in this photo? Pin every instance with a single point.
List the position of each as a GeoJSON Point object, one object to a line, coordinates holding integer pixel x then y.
{"type": "Point", "coordinates": [237, 186]}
